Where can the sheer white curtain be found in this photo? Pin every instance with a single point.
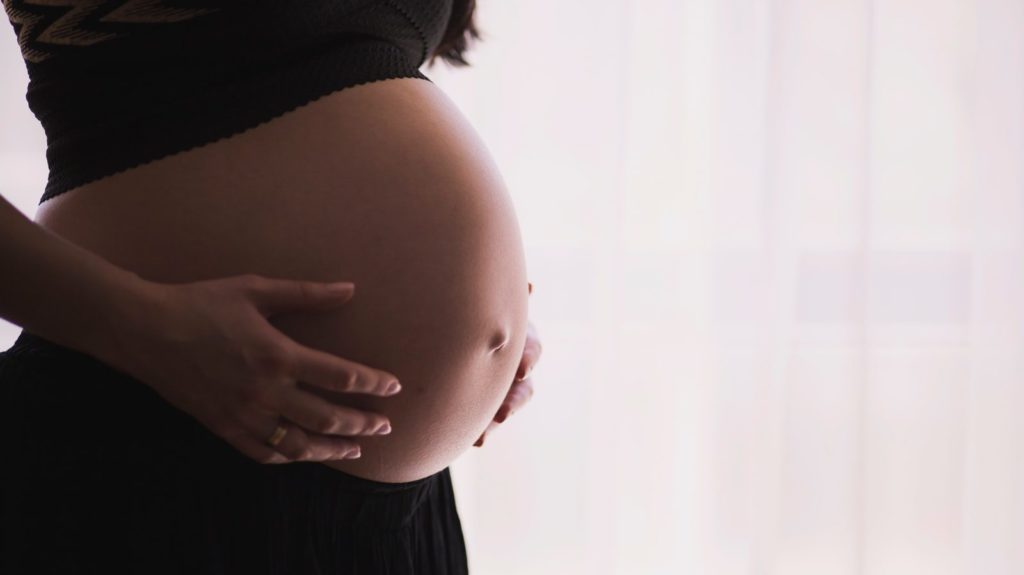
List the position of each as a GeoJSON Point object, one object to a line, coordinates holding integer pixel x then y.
{"type": "Point", "coordinates": [778, 258]}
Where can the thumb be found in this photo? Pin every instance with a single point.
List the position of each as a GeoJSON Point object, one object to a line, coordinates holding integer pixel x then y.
{"type": "Point", "coordinates": [273, 296]}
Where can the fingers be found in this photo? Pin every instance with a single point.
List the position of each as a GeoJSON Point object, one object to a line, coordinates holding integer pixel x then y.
{"type": "Point", "coordinates": [298, 445]}
{"type": "Point", "coordinates": [254, 448]}
{"type": "Point", "coordinates": [518, 395]}
{"type": "Point", "coordinates": [276, 295]}
{"type": "Point", "coordinates": [323, 417]}
{"type": "Point", "coordinates": [256, 426]}
{"type": "Point", "coordinates": [272, 295]}
{"type": "Point", "coordinates": [531, 354]}
{"type": "Point", "coordinates": [329, 371]}
{"type": "Point", "coordinates": [492, 425]}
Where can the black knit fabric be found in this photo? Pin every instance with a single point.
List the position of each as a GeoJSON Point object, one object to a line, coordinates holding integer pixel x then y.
{"type": "Point", "coordinates": [100, 475]}
{"type": "Point", "coordinates": [119, 83]}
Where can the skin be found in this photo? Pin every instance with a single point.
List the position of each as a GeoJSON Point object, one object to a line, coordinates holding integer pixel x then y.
{"type": "Point", "coordinates": [384, 185]}
{"type": "Point", "coordinates": [521, 391]}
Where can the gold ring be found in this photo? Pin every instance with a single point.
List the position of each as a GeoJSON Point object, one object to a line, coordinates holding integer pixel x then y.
{"type": "Point", "coordinates": [276, 437]}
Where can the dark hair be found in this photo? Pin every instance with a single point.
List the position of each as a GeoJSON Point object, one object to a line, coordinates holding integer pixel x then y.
{"type": "Point", "coordinates": [460, 33]}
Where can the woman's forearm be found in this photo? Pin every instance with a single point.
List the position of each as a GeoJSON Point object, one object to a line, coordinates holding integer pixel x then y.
{"type": "Point", "coordinates": [60, 291]}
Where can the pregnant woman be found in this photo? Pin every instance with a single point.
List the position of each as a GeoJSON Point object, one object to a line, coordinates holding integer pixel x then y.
{"type": "Point", "coordinates": [274, 287]}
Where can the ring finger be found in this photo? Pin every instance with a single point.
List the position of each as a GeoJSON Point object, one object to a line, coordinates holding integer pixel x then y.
{"type": "Point", "coordinates": [297, 443]}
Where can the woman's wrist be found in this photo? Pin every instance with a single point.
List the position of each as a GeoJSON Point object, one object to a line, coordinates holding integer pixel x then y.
{"type": "Point", "coordinates": [126, 308]}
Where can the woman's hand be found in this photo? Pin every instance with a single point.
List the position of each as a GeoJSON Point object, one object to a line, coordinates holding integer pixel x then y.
{"type": "Point", "coordinates": [522, 387]}
{"type": "Point", "coordinates": [207, 348]}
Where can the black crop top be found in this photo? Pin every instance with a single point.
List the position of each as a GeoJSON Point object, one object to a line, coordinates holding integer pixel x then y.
{"type": "Point", "coordinates": [118, 83]}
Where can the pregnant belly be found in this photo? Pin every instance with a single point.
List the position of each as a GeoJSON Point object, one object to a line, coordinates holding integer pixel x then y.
{"type": "Point", "coordinates": [383, 184]}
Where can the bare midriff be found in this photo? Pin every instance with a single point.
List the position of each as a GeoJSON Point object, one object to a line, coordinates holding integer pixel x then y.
{"type": "Point", "coordinates": [385, 185]}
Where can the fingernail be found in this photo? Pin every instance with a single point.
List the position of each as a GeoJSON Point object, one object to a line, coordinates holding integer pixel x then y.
{"type": "Point", "coordinates": [354, 454]}
{"type": "Point", "coordinates": [384, 430]}
{"type": "Point", "coordinates": [501, 417]}
{"type": "Point", "coordinates": [530, 287]}
{"type": "Point", "coordinates": [393, 388]}
{"type": "Point", "coordinates": [341, 288]}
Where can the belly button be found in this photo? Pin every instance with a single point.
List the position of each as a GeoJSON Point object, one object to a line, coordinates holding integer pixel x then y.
{"type": "Point", "coordinates": [498, 341]}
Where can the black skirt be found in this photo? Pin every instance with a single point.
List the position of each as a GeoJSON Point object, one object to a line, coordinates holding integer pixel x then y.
{"type": "Point", "coordinates": [101, 475]}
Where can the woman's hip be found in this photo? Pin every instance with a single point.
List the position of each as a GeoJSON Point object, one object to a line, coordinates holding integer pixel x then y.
{"type": "Point", "coordinates": [99, 470]}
